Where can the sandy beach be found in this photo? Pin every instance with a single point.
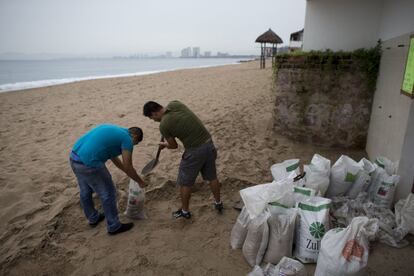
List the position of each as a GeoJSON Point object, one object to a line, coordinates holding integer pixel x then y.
{"type": "Point", "coordinates": [43, 230]}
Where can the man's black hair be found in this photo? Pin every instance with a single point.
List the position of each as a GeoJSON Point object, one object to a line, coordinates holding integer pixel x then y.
{"type": "Point", "coordinates": [137, 131]}
{"type": "Point", "coordinates": [150, 107]}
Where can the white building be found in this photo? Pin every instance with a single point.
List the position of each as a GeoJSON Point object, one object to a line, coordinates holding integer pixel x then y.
{"type": "Point", "coordinates": [207, 53]}
{"type": "Point", "coordinates": [196, 52]}
{"type": "Point", "coordinates": [296, 40]}
{"type": "Point", "coordinates": [351, 24]}
{"type": "Point", "coordinates": [186, 52]}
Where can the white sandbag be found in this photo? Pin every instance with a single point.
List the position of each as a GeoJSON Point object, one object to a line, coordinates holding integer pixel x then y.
{"type": "Point", "coordinates": [317, 174]}
{"type": "Point", "coordinates": [301, 193]}
{"type": "Point", "coordinates": [257, 237]}
{"type": "Point", "coordinates": [389, 166]}
{"type": "Point", "coordinates": [286, 169]}
{"type": "Point", "coordinates": [316, 180]}
{"type": "Point", "coordinates": [281, 231]}
{"type": "Point", "coordinates": [239, 231]}
{"type": "Point", "coordinates": [343, 175]}
{"type": "Point", "coordinates": [363, 179]}
{"type": "Point", "coordinates": [376, 178]}
{"type": "Point", "coordinates": [257, 197]}
{"type": "Point", "coordinates": [257, 271]}
{"type": "Point", "coordinates": [286, 267]}
{"type": "Point", "coordinates": [321, 163]}
{"type": "Point", "coordinates": [344, 252]}
{"type": "Point", "coordinates": [383, 193]}
{"type": "Point", "coordinates": [367, 165]}
{"type": "Point", "coordinates": [312, 224]}
{"type": "Point", "coordinates": [404, 215]}
{"type": "Point", "coordinates": [136, 201]}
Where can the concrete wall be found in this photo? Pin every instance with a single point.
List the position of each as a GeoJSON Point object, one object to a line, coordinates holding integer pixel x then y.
{"type": "Point", "coordinates": [322, 103]}
{"type": "Point", "coordinates": [391, 126]}
{"type": "Point", "coordinates": [390, 109]}
{"type": "Point", "coordinates": [406, 167]}
{"type": "Point", "coordinates": [342, 24]}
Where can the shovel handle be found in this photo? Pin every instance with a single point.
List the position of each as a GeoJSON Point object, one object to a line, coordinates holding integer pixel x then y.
{"type": "Point", "coordinates": [159, 149]}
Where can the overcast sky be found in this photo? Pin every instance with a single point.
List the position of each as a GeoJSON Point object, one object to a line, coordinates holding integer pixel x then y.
{"type": "Point", "coordinates": [123, 27]}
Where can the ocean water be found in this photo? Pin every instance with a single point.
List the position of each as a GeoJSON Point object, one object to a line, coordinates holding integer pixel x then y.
{"type": "Point", "coordinates": [24, 74]}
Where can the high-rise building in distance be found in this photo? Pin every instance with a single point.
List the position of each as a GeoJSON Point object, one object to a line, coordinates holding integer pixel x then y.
{"type": "Point", "coordinates": [196, 52]}
{"type": "Point", "coordinates": [186, 52]}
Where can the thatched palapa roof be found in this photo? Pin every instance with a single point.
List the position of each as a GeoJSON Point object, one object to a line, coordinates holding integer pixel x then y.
{"type": "Point", "coordinates": [269, 37]}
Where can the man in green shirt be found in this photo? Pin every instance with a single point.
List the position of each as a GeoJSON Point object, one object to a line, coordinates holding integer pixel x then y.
{"type": "Point", "coordinates": [178, 121]}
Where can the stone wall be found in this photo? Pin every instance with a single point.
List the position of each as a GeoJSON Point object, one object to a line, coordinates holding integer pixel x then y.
{"type": "Point", "coordinates": [323, 102]}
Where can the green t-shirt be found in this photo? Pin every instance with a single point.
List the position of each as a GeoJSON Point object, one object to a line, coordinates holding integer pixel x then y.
{"type": "Point", "coordinates": [180, 122]}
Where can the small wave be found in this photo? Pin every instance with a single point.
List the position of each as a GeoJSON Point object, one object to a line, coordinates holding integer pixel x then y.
{"type": "Point", "coordinates": [44, 83]}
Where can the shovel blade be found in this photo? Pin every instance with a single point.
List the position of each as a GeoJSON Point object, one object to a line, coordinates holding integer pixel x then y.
{"type": "Point", "coordinates": [149, 167]}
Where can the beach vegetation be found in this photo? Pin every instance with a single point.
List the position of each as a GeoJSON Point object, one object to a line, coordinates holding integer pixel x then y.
{"type": "Point", "coordinates": [365, 60]}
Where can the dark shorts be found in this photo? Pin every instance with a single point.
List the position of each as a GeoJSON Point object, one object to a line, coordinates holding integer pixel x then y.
{"type": "Point", "coordinates": [201, 159]}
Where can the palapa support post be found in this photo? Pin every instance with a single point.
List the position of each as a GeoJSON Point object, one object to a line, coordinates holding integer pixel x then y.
{"type": "Point", "coordinates": [261, 55]}
{"type": "Point", "coordinates": [274, 53]}
{"type": "Point", "coordinates": [268, 37]}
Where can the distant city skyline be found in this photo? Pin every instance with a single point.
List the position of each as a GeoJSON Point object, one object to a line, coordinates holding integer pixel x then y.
{"type": "Point", "coordinates": [105, 28]}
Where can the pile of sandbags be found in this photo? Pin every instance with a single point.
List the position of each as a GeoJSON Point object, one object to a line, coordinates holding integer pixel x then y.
{"type": "Point", "coordinates": [290, 216]}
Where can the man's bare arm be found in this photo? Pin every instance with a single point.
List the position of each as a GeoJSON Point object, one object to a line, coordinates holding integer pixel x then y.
{"type": "Point", "coordinates": [118, 163]}
{"type": "Point", "coordinates": [169, 144]}
{"type": "Point", "coordinates": [129, 168]}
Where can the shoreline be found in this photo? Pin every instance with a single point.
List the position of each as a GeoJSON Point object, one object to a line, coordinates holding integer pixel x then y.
{"type": "Point", "coordinates": [23, 86]}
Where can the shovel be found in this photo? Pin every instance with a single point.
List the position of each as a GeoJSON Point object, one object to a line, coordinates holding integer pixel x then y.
{"type": "Point", "coordinates": [153, 163]}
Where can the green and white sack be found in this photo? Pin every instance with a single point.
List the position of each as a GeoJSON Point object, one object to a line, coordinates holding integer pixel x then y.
{"type": "Point", "coordinates": [343, 174]}
{"type": "Point", "coordinates": [376, 178]}
{"type": "Point", "coordinates": [312, 224]}
{"type": "Point", "coordinates": [302, 193]}
{"type": "Point", "coordinates": [363, 179]}
{"type": "Point", "coordinates": [256, 198]}
{"type": "Point", "coordinates": [317, 174]}
{"type": "Point", "coordinates": [286, 169]}
{"type": "Point", "coordinates": [389, 166]}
